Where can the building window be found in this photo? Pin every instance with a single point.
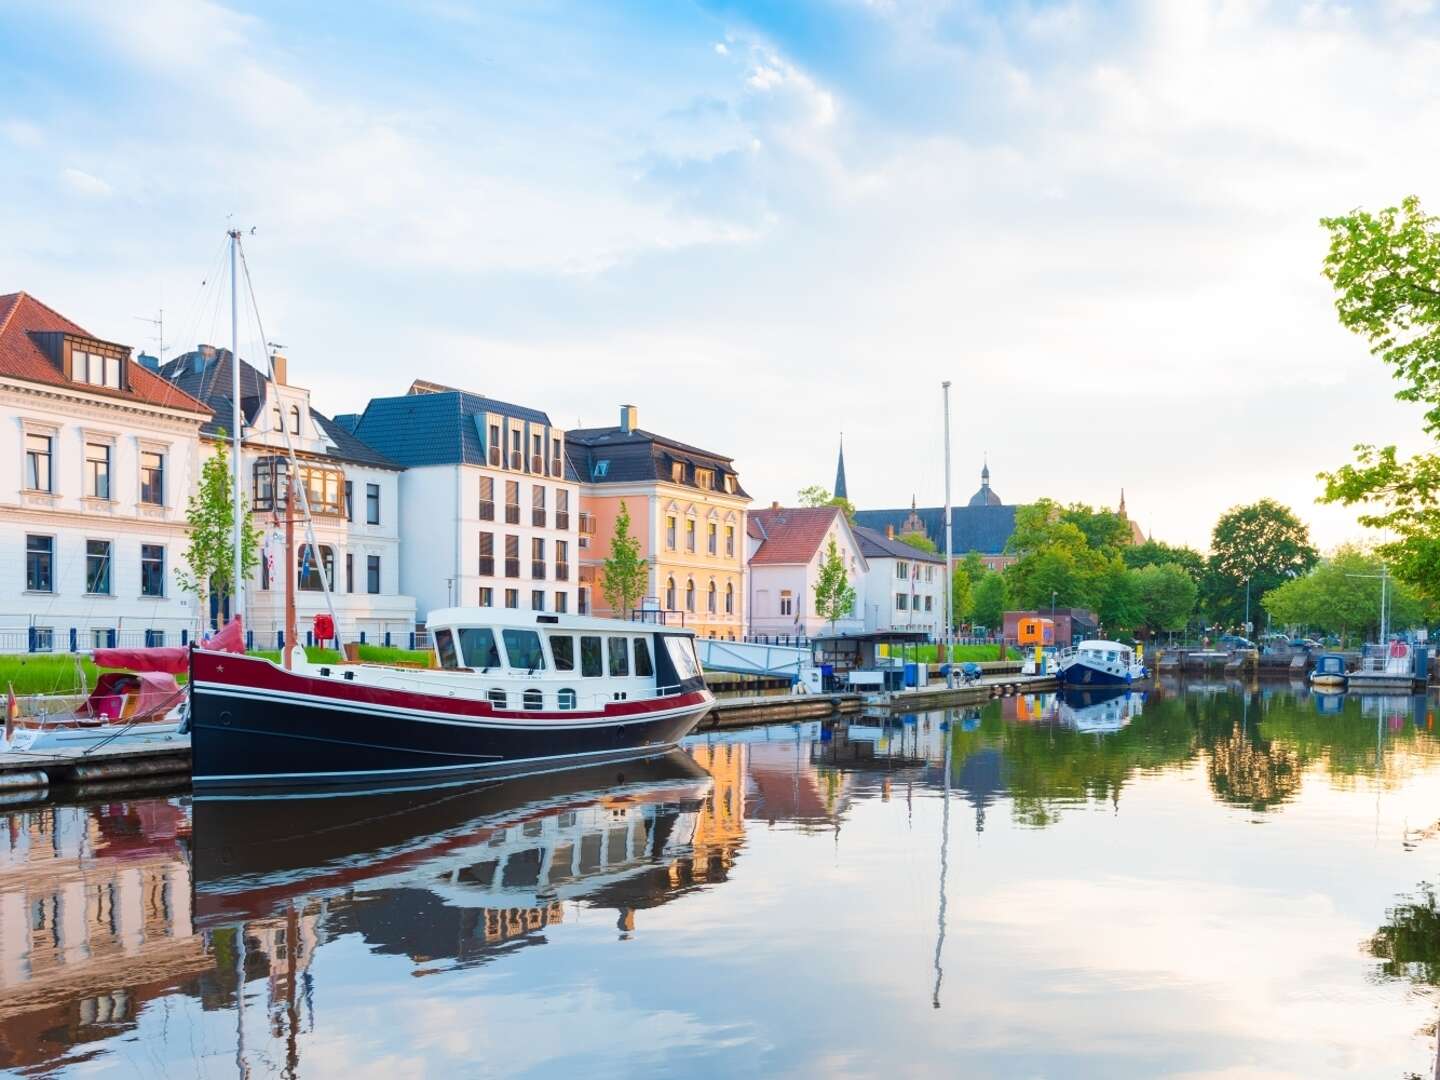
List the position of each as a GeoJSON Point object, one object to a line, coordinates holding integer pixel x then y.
{"type": "Point", "coordinates": [601, 469]}
{"type": "Point", "coordinates": [39, 563]}
{"type": "Point", "coordinates": [537, 558]}
{"type": "Point", "coordinates": [730, 599]}
{"type": "Point", "coordinates": [372, 574]}
{"type": "Point", "coordinates": [730, 541]}
{"type": "Point", "coordinates": [537, 599]}
{"type": "Point", "coordinates": [295, 419]}
{"type": "Point", "coordinates": [512, 598]}
{"type": "Point", "coordinates": [97, 370]}
{"type": "Point", "coordinates": [372, 504]}
{"type": "Point", "coordinates": [705, 478]}
{"type": "Point", "coordinates": [152, 477]}
{"type": "Point", "coordinates": [902, 570]}
{"type": "Point", "coordinates": [308, 570]}
{"type": "Point", "coordinates": [512, 556]}
{"type": "Point", "coordinates": [582, 600]}
{"type": "Point", "coordinates": [690, 595]}
{"type": "Point", "coordinates": [537, 506]}
{"type": "Point", "coordinates": [670, 532]}
{"type": "Point", "coordinates": [729, 484]}
{"type": "Point", "coordinates": [97, 567]}
{"type": "Point", "coordinates": [324, 487]}
{"type": "Point", "coordinates": [690, 535]}
{"type": "Point", "coordinates": [562, 509]}
{"type": "Point", "coordinates": [562, 603]}
{"type": "Point", "coordinates": [711, 597]}
{"type": "Point", "coordinates": [38, 459]}
{"type": "Point", "coordinates": [349, 500]}
{"type": "Point", "coordinates": [487, 596]}
{"type": "Point", "coordinates": [349, 572]}
{"type": "Point", "coordinates": [928, 602]}
{"type": "Point", "coordinates": [670, 594]}
{"type": "Point", "coordinates": [487, 498]}
{"type": "Point", "coordinates": [677, 472]}
{"type": "Point", "coordinates": [97, 470]}
{"type": "Point", "coordinates": [152, 570]}
{"type": "Point", "coordinates": [900, 600]}
{"type": "Point", "coordinates": [562, 560]}
{"type": "Point", "coordinates": [487, 554]}
{"type": "Point", "coordinates": [787, 602]}
{"type": "Point", "coordinates": [496, 448]}
{"type": "Point", "coordinates": [712, 539]}
{"type": "Point", "coordinates": [512, 502]}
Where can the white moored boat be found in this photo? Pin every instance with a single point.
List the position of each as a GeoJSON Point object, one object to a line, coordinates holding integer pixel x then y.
{"type": "Point", "coordinates": [1100, 663]}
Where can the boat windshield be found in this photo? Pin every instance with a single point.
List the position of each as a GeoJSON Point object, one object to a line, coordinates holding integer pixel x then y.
{"type": "Point", "coordinates": [682, 655]}
{"type": "Point", "coordinates": [477, 644]}
{"type": "Point", "coordinates": [445, 649]}
{"type": "Point", "coordinates": [523, 649]}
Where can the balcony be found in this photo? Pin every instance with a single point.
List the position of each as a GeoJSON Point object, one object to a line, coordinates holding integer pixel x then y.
{"type": "Point", "coordinates": [512, 568]}
{"type": "Point", "coordinates": [487, 566]}
{"type": "Point", "coordinates": [537, 518]}
{"type": "Point", "coordinates": [537, 569]}
{"type": "Point", "coordinates": [512, 514]}
{"type": "Point", "coordinates": [556, 469]}
{"type": "Point", "coordinates": [537, 464]}
{"type": "Point", "coordinates": [562, 571]}
{"type": "Point", "coordinates": [587, 523]}
{"type": "Point", "coordinates": [487, 511]}
{"type": "Point", "coordinates": [494, 456]}
{"type": "Point", "coordinates": [517, 460]}
{"type": "Point", "coordinates": [562, 520]}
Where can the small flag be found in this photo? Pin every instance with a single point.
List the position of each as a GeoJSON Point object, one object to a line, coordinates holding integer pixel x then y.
{"type": "Point", "coordinates": [12, 711]}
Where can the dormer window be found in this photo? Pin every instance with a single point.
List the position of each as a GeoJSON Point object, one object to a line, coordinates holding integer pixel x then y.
{"type": "Point", "coordinates": [601, 468]}
{"type": "Point", "coordinates": [295, 419]}
{"type": "Point", "coordinates": [677, 472]}
{"type": "Point", "coordinates": [729, 484]}
{"type": "Point", "coordinates": [705, 478]}
{"type": "Point", "coordinates": [95, 369]}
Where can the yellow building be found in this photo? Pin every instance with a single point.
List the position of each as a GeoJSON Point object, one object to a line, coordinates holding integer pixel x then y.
{"type": "Point", "coordinates": [687, 509]}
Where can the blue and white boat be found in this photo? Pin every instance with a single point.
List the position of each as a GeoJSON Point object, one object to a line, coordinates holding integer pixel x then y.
{"type": "Point", "coordinates": [1100, 663]}
{"type": "Point", "coordinates": [1329, 673]}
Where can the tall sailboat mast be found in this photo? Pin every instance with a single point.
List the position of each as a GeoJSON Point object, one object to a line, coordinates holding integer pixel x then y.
{"type": "Point", "coordinates": [236, 593]}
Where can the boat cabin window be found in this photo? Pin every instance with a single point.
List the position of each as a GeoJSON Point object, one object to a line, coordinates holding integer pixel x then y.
{"type": "Point", "coordinates": [592, 660]}
{"type": "Point", "coordinates": [477, 644]}
{"type": "Point", "coordinates": [496, 698]}
{"type": "Point", "coordinates": [565, 698]}
{"type": "Point", "coordinates": [619, 656]}
{"type": "Point", "coordinates": [682, 654]}
{"type": "Point", "coordinates": [533, 699]}
{"type": "Point", "coordinates": [643, 666]}
{"type": "Point", "coordinates": [445, 650]}
{"type": "Point", "coordinates": [523, 649]}
{"type": "Point", "coordinates": [562, 651]}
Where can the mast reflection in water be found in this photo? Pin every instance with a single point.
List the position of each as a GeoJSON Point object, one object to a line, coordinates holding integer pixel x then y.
{"type": "Point", "coordinates": [1188, 882]}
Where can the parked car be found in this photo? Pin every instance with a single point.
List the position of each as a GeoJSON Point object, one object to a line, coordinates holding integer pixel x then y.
{"type": "Point", "coordinates": [1235, 641]}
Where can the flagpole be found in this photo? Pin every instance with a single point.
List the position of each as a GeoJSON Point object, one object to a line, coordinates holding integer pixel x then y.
{"type": "Point", "coordinates": [949, 553]}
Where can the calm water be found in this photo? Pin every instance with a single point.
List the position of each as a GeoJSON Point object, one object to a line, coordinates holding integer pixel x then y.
{"type": "Point", "coordinates": [1206, 884]}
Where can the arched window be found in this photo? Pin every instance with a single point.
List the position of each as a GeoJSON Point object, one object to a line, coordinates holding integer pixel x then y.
{"type": "Point", "coordinates": [690, 595]}
{"type": "Point", "coordinates": [730, 599]}
{"type": "Point", "coordinates": [295, 419]}
{"type": "Point", "coordinates": [710, 597]}
{"type": "Point", "coordinates": [670, 594]}
{"type": "Point", "coordinates": [279, 424]}
{"type": "Point", "coordinates": [308, 572]}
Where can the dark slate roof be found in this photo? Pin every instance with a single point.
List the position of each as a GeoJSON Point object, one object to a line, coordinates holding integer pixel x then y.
{"type": "Point", "coordinates": [876, 545]}
{"type": "Point", "coordinates": [435, 428]}
{"type": "Point", "coordinates": [205, 374]}
{"type": "Point", "coordinates": [640, 455]}
{"type": "Point", "coordinates": [985, 529]}
{"type": "Point", "coordinates": [347, 420]}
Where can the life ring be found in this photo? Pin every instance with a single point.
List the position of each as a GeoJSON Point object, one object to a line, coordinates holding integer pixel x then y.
{"type": "Point", "coordinates": [1397, 649]}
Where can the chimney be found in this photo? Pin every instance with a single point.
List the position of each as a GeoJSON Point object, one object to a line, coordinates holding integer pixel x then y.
{"type": "Point", "coordinates": [774, 506]}
{"type": "Point", "coordinates": [148, 362]}
{"type": "Point", "coordinates": [889, 532]}
{"type": "Point", "coordinates": [281, 366]}
{"type": "Point", "coordinates": [629, 418]}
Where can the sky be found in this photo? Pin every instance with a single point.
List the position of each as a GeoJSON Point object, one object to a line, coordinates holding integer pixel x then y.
{"type": "Point", "coordinates": [762, 224]}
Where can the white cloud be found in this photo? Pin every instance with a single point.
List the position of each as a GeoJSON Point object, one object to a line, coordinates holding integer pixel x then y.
{"type": "Point", "coordinates": [83, 183]}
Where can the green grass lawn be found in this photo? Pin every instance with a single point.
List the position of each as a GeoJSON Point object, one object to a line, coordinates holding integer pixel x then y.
{"type": "Point", "coordinates": [42, 673]}
{"type": "Point", "coordinates": [385, 654]}
{"type": "Point", "coordinates": [925, 654]}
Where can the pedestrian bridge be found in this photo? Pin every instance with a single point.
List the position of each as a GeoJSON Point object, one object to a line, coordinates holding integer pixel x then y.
{"type": "Point", "coordinates": [752, 658]}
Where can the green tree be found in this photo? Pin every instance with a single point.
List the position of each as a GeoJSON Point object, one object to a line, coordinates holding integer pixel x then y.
{"type": "Point", "coordinates": [1165, 598]}
{"type": "Point", "coordinates": [1157, 553]}
{"type": "Point", "coordinates": [624, 574]}
{"type": "Point", "coordinates": [962, 598]}
{"type": "Point", "coordinates": [1263, 543]}
{"type": "Point", "coordinates": [210, 516]}
{"type": "Point", "coordinates": [1342, 596]}
{"type": "Point", "coordinates": [973, 566]}
{"type": "Point", "coordinates": [834, 595]}
{"type": "Point", "coordinates": [920, 542]}
{"type": "Point", "coordinates": [1104, 530]}
{"type": "Point", "coordinates": [990, 600]}
{"type": "Point", "coordinates": [816, 495]}
{"type": "Point", "coordinates": [1385, 269]}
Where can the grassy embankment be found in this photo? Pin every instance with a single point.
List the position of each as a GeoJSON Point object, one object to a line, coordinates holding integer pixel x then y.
{"type": "Point", "coordinates": [925, 654]}
{"type": "Point", "coordinates": [55, 674]}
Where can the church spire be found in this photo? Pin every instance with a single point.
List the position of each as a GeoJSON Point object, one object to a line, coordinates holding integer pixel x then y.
{"type": "Point", "coordinates": [1122, 502]}
{"type": "Point", "coordinates": [840, 491]}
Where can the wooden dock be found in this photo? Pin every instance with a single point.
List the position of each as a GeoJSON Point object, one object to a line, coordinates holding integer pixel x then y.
{"type": "Point", "coordinates": [106, 769]}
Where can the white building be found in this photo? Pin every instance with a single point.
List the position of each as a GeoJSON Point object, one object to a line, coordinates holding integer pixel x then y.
{"type": "Point", "coordinates": [905, 587]}
{"type": "Point", "coordinates": [98, 456]}
{"type": "Point", "coordinates": [489, 506]}
{"type": "Point", "coordinates": [786, 548]}
{"type": "Point", "coordinates": [354, 496]}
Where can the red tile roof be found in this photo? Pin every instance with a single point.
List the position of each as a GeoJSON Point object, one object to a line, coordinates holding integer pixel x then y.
{"type": "Point", "coordinates": [21, 358]}
{"type": "Point", "coordinates": [793, 534]}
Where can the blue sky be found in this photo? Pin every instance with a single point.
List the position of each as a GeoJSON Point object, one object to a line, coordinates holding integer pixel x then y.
{"type": "Point", "coordinates": [762, 224]}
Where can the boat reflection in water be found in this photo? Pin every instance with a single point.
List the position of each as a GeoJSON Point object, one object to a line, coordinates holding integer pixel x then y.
{"type": "Point", "coordinates": [1098, 712]}
{"type": "Point", "coordinates": [512, 850]}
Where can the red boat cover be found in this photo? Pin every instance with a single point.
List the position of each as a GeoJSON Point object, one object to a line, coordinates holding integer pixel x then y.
{"type": "Point", "coordinates": [230, 638]}
{"type": "Point", "coordinates": [172, 659]}
{"type": "Point", "coordinates": [153, 692]}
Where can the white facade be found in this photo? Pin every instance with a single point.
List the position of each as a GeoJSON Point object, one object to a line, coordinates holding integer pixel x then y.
{"type": "Point", "coordinates": [74, 526]}
{"type": "Point", "coordinates": [904, 594]}
{"type": "Point", "coordinates": [782, 594]}
{"type": "Point", "coordinates": [506, 551]}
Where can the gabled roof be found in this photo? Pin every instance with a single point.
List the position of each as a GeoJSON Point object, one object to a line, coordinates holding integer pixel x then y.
{"type": "Point", "coordinates": [639, 455]}
{"type": "Point", "coordinates": [435, 427]}
{"type": "Point", "coordinates": [985, 529]}
{"type": "Point", "coordinates": [21, 357]}
{"type": "Point", "coordinates": [206, 374]}
{"type": "Point", "coordinates": [792, 534]}
{"type": "Point", "coordinates": [876, 545]}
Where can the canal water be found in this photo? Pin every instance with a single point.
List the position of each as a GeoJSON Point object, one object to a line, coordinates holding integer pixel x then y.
{"type": "Point", "coordinates": [1201, 882]}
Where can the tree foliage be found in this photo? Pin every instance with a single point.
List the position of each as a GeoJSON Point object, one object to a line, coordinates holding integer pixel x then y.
{"type": "Point", "coordinates": [962, 598]}
{"type": "Point", "coordinates": [1385, 269]}
{"type": "Point", "coordinates": [990, 600]}
{"type": "Point", "coordinates": [625, 573]}
{"type": "Point", "coordinates": [920, 542]}
{"type": "Point", "coordinates": [1263, 543]}
{"type": "Point", "coordinates": [1158, 553]}
{"type": "Point", "coordinates": [817, 495]}
{"type": "Point", "coordinates": [210, 515]}
{"type": "Point", "coordinates": [1342, 596]}
{"type": "Point", "coordinates": [834, 595]}
{"type": "Point", "coordinates": [1165, 595]}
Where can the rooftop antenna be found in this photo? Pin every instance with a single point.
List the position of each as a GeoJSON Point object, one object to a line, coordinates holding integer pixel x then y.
{"type": "Point", "coordinates": [159, 323]}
